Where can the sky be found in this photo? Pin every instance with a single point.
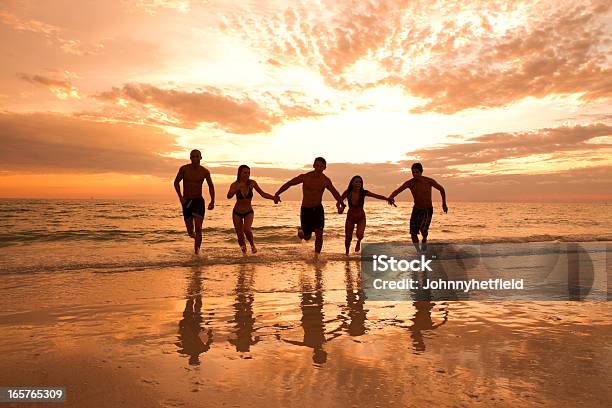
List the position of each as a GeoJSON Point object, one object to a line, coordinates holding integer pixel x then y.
{"type": "Point", "coordinates": [499, 100]}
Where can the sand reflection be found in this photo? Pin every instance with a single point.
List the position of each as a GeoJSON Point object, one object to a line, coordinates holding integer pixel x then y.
{"type": "Point", "coordinates": [194, 339]}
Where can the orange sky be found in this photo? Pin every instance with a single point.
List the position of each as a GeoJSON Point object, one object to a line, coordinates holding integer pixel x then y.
{"type": "Point", "coordinates": [500, 101]}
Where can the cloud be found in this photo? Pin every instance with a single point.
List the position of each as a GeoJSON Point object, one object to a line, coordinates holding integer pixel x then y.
{"type": "Point", "coordinates": [452, 55]}
{"type": "Point", "coordinates": [154, 6]}
{"type": "Point", "coordinates": [46, 143]}
{"type": "Point", "coordinates": [576, 184]}
{"type": "Point", "coordinates": [54, 143]}
{"type": "Point", "coordinates": [239, 115]}
{"type": "Point", "coordinates": [31, 25]}
{"type": "Point", "coordinates": [562, 142]}
{"type": "Point", "coordinates": [60, 88]}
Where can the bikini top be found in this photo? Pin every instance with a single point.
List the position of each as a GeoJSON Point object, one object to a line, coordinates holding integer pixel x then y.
{"type": "Point", "coordinates": [361, 199]}
{"type": "Point", "coordinates": [239, 195]}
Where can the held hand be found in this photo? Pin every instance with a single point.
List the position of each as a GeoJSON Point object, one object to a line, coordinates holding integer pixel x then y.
{"type": "Point", "coordinates": [277, 199]}
{"type": "Point", "coordinates": [391, 201]}
{"type": "Point", "coordinates": [340, 206]}
{"type": "Point", "coordinates": [445, 208]}
{"type": "Point", "coordinates": [211, 205]}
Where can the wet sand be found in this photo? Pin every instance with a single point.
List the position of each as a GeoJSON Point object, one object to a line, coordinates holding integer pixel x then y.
{"type": "Point", "coordinates": [291, 334]}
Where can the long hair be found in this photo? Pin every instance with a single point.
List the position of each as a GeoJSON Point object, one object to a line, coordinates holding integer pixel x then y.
{"type": "Point", "coordinates": [240, 168]}
{"type": "Point", "coordinates": [349, 189]}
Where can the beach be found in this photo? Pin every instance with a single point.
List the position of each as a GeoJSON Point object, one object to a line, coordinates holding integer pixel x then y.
{"type": "Point", "coordinates": [129, 317]}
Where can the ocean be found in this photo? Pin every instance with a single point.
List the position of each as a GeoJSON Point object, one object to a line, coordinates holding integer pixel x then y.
{"type": "Point", "coordinates": [60, 235]}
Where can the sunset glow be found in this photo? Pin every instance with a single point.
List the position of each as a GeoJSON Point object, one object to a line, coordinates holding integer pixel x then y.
{"type": "Point", "coordinates": [481, 92]}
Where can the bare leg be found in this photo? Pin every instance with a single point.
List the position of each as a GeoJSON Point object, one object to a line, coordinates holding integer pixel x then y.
{"type": "Point", "coordinates": [348, 234]}
{"type": "Point", "coordinates": [318, 240]}
{"type": "Point", "coordinates": [424, 241]}
{"type": "Point", "coordinates": [189, 226]}
{"type": "Point", "coordinates": [198, 233]}
{"type": "Point", "coordinates": [248, 222]}
{"type": "Point", "coordinates": [360, 231]}
{"type": "Point", "coordinates": [415, 241]}
{"type": "Point", "coordinates": [301, 235]}
{"type": "Point", "coordinates": [239, 227]}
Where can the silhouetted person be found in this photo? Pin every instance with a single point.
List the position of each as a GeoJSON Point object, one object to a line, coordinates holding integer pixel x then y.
{"type": "Point", "coordinates": [193, 176]}
{"type": "Point", "coordinates": [355, 193]}
{"type": "Point", "coordinates": [312, 215]}
{"type": "Point", "coordinates": [422, 211]}
{"type": "Point", "coordinates": [243, 214]}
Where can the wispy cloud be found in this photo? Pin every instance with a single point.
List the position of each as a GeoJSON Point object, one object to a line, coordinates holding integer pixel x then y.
{"type": "Point", "coordinates": [20, 24]}
{"type": "Point", "coordinates": [567, 143]}
{"type": "Point", "coordinates": [62, 89]}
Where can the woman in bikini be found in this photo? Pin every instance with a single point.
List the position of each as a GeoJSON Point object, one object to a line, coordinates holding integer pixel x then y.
{"type": "Point", "coordinates": [356, 194]}
{"type": "Point", "coordinates": [243, 214]}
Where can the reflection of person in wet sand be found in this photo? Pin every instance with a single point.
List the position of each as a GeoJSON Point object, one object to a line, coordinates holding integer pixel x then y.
{"type": "Point", "coordinates": [243, 214]}
{"type": "Point", "coordinates": [313, 322]}
{"type": "Point", "coordinates": [420, 187]}
{"type": "Point", "coordinates": [243, 311]}
{"type": "Point", "coordinates": [193, 340]}
{"type": "Point", "coordinates": [312, 215]}
{"type": "Point", "coordinates": [192, 201]}
{"type": "Point", "coordinates": [355, 300]}
{"type": "Point", "coordinates": [421, 322]}
{"type": "Point", "coordinates": [356, 194]}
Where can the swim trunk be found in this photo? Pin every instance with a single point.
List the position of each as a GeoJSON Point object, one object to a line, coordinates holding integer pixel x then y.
{"type": "Point", "coordinates": [311, 219]}
{"type": "Point", "coordinates": [420, 220]}
{"type": "Point", "coordinates": [355, 215]}
{"type": "Point", "coordinates": [194, 207]}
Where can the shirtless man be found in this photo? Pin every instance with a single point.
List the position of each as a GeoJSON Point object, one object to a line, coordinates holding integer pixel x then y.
{"type": "Point", "coordinates": [312, 215]}
{"type": "Point", "coordinates": [193, 176]}
{"type": "Point", "coordinates": [420, 187]}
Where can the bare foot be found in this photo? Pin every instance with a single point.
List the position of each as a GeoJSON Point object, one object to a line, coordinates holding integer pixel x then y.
{"type": "Point", "coordinates": [191, 234]}
{"type": "Point", "coordinates": [243, 248]}
{"type": "Point", "coordinates": [300, 233]}
{"type": "Point", "coordinates": [358, 246]}
{"type": "Point", "coordinates": [253, 249]}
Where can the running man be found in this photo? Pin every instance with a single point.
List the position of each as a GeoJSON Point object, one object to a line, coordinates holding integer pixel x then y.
{"type": "Point", "coordinates": [312, 215]}
{"type": "Point", "coordinates": [193, 176]}
{"type": "Point", "coordinates": [422, 211]}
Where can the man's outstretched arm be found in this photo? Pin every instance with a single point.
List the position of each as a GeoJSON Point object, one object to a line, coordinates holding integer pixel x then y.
{"type": "Point", "coordinates": [400, 189]}
{"type": "Point", "coordinates": [438, 187]}
{"type": "Point", "coordinates": [293, 182]}
{"type": "Point", "coordinates": [177, 183]}
{"type": "Point", "coordinates": [211, 190]}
